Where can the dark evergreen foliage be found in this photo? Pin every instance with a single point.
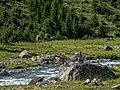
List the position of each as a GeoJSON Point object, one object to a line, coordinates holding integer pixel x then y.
{"type": "Point", "coordinates": [22, 20]}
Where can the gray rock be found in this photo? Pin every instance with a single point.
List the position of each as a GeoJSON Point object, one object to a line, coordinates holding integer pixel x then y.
{"type": "Point", "coordinates": [39, 38]}
{"type": "Point", "coordinates": [48, 59]}
{"type": "Point", "coordinates": [52, 38]}
{"type": "Point", "coordinates": [87, 81]}
{"type": "Point", "coordinates": [36, 80]}
{"type": "Point", "coordinates": [81, 56]}
{"type": "Point", "coordinates": [3, 65]}
{"type": "Point", "coordinates": [110, 39]}
{"type": "Point", "coordinates": [97, 81]}
{"type": "Point", "coordinates": [84, 71]}
{"type": "Point", "coordinates": [4, 73]}
{"type": "Point", "coordinates": [60, 58]}
{"type": "Point", "coordinates": [34, 59]}
{"type": "Point", "coordinates": [108, 48]}
{"type": "Point", "coordinates": [24, 54]}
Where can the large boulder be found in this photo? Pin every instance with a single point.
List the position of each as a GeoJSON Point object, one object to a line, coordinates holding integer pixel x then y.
{"type": "Point", "coordinates": [24, 54]}
{"type": "Point", "coordinates": [84, 71]}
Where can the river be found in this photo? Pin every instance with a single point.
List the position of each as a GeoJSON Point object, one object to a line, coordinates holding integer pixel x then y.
{"type": "Point", "coordinates": [22, 77]}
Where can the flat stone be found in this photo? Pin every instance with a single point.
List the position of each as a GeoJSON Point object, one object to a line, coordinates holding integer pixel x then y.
{"type": "Point", "coordinates": [24, 54]}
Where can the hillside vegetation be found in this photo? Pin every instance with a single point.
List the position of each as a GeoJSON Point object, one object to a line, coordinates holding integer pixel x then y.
{"type": "Point", "coordinates": [22, 20]}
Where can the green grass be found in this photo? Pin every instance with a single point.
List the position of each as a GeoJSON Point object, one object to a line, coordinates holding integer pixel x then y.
{"type": "Point", "coordinates": [66, 85]}
{"type": "Point", "coordinates": [68, 47]}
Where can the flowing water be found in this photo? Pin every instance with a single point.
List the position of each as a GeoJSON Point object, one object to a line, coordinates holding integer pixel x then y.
{"type": "Point", "coordinates": [23, 76]}
{"type": "Point", "coordinates": [106, 62]}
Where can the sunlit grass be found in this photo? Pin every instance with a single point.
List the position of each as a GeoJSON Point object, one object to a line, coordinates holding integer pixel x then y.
{"type": "Point", "coordinates": [66, 85]}
{"type": "Point", "coordinates": [68, 47]}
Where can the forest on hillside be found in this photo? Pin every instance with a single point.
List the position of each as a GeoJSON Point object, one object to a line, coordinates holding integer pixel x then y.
{"type": "Point", "coordinates": [22, 20]}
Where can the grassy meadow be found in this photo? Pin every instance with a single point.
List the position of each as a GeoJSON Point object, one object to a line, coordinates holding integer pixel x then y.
{"type": "Point", "coordinates": [93, 47]}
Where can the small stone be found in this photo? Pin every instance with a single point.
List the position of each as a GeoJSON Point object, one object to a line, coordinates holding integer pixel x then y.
{"type": "Point", "coordinates": [110, 39]}
{"type": "Point", "coordinates": [94, 80]}
{"type": "Point", "coordinates": [3, 65]}
{"type": "Point", "coordinates": [108, 48]}
{"type": "Point", "coordinates": [87, 81]}
{"type": "Point", "coordinates": [39, 38]}
{"type": "Point", "coordinates": [36, 80]}
{"type": "Point", "coordinates": [4, 73]}
{"type": "Point", "coordinates": [33, 59]}
{"type": "Point", "coordinates": [24, 54]}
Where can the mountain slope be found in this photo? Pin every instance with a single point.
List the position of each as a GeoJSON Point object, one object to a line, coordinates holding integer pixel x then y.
{"type": "Point", "coordinates": [22, 20]}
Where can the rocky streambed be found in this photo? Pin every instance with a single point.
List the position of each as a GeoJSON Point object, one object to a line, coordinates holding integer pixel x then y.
{"type": "Point", "coordinates": [24, 76]}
